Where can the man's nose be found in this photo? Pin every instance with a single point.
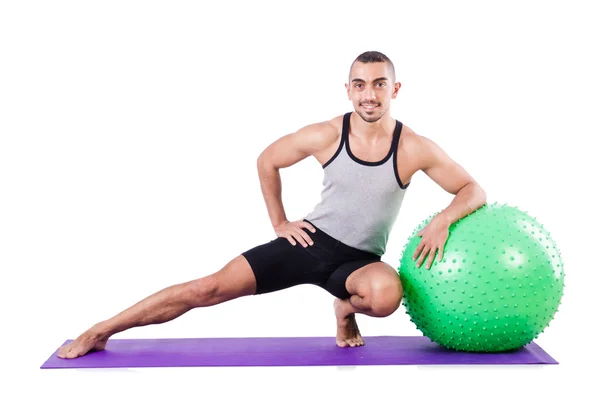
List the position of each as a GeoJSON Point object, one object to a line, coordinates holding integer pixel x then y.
{"type": "Point", "coordinates": [369, 93]}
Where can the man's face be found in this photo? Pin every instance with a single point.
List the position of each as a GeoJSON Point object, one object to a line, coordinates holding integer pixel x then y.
{"type": "Point", "coordinates": [371, 89]}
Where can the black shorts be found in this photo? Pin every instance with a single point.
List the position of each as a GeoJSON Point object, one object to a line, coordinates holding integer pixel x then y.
{"type": "Point", "coordinates": [327, 263]}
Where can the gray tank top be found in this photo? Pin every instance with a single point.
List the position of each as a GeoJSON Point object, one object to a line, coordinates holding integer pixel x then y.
{"type": "Point", "coordinates": [360, 200]}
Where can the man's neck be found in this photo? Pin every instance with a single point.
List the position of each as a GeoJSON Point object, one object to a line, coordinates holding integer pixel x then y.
{"type": "Point", "coordinates": [384, 127]}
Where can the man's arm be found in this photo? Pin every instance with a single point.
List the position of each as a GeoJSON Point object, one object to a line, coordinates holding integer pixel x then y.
{"type": "Point", "coordinates": [453, 178]}
{"type": "Point", "coordinates": [285, 152]}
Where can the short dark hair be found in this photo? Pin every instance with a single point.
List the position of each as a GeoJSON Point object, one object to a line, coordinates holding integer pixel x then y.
{"type": "Point", "coordinates": [372, 57]}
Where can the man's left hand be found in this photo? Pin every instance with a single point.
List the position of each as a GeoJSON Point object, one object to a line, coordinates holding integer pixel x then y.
{"type": "Point", "coordinates": [433, 238]}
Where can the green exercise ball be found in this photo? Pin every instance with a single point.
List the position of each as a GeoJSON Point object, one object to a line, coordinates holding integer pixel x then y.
{"type": "Point", "coordinates": [498, 286]}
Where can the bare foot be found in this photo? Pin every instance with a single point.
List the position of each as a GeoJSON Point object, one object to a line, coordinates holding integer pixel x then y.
{"type": "Point", "coordinates": [86, 342]}
{"type": "Point", "coordinates": [347, 329]}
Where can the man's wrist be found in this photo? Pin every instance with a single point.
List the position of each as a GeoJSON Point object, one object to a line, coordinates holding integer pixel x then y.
{"type": "Point", "coordinates": [445, 218]}
{"type": "Point", "coordinates": [279, 223]}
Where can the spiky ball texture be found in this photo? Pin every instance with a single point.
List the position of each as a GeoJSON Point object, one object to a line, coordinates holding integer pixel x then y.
{"type": "Point", "coordinates": [498, 286]}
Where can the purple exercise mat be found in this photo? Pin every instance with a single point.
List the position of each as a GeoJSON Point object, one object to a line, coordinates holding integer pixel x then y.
{"type": "Point", "coordinates": [303, 351]}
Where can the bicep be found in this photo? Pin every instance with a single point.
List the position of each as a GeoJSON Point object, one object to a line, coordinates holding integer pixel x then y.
{"type": "Point", "coordinates": [284, 152]}
{"type": "Point", "coordinates": [442, 169]}
{"type": "Point", "coordinates": [294, 147]}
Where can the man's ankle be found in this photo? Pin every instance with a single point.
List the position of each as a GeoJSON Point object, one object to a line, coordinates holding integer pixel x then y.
{"type": "Point", "coordinates": [101, 330]}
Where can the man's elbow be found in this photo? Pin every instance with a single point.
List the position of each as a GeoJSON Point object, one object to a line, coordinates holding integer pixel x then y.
{"type": "Point", "coordinates": [263, 163]}
{"type": "Point", "coordinates": [480, 196]}
{"type": "Point", "coordinates": [474, 195]}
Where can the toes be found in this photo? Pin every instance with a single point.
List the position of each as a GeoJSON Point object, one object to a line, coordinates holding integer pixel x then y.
{"type": "Point", "coordinates": [63, 351]}
{"type": "Point", "coordinates": [350, 342]}
{"type": "Point", "coordinates": [67, 352]}
{"type": "Point", "coordinates": [355, 342]}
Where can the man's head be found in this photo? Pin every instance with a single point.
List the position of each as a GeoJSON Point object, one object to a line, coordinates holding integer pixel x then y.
{"type": "Point", "coordinates": [372, 85]}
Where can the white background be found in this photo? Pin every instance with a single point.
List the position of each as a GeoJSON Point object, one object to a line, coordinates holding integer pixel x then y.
{"type": "Point", "coordinates": [129, 135]}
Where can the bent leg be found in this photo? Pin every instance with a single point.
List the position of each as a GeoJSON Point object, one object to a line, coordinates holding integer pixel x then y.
{"type": "Point", "coordinates": [373, 289]}
{"type": "Point", "coordinates": [234, 280]}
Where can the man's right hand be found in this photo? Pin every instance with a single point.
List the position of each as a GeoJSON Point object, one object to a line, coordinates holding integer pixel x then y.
{"type": "Point", "coordinates": [294, 231]}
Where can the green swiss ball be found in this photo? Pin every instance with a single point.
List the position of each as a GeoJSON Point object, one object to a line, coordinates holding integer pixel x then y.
{"type": "Point", "coordinates": [498, 286]}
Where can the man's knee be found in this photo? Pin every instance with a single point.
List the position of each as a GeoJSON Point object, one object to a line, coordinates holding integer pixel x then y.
{"type": "Point", "coordinates": [385, 297]}
{"type": "Point", "coordinates": [202, 292]}
{"type": "Point", "coordinates": [234, 280]}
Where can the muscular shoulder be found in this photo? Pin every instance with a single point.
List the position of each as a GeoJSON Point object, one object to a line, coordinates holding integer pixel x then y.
{"type": "Point", "coordinates": [419, 148]}
{"type": "Point", "coordinates": [409, 140]}
{"type": "Point", "coordinates": [316, 137]}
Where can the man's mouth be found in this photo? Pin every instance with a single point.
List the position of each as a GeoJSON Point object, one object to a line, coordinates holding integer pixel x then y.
{"type": "Point", "coordinates": [369, 106]}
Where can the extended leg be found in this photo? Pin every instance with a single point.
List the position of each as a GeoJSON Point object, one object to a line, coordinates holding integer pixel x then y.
{"type": "Point", "coordinates": [234, 280]}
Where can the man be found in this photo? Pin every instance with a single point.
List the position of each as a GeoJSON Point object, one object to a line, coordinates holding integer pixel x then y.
{"type": "Point", "coordinates": [368, 160]}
